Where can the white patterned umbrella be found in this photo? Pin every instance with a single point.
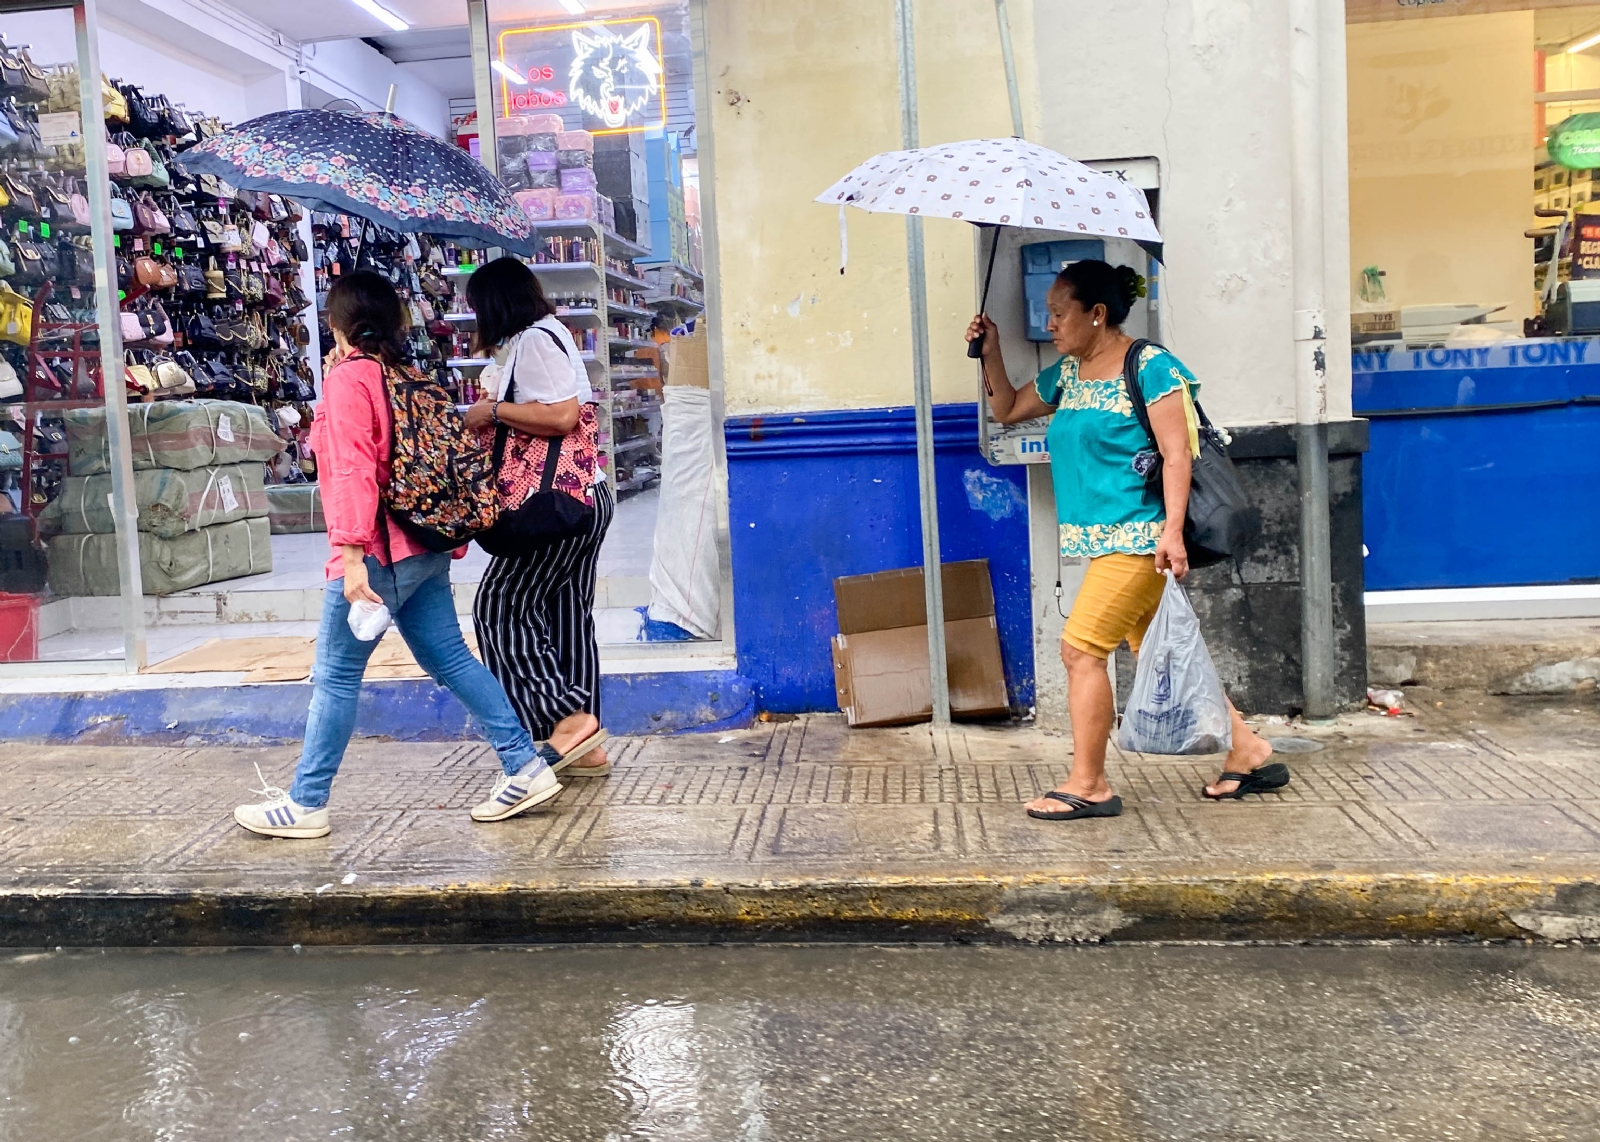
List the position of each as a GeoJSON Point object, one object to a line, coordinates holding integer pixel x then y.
{"type": "Point", "coordinates": [999, 182]}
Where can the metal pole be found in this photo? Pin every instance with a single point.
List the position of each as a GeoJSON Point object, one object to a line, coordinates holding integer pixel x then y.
{"type": "Point", "coordinates": [1011, 67]}
{"type": "Point", "coordinates": [483, 83]}
{"type": "Point", "coordinates": [1311, 365]}
{"type": "Point", "coordinates": [916, 269]}
{"type": "Point", "coordinates": [124, 505]}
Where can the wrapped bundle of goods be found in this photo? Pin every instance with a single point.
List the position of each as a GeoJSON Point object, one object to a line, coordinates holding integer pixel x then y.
{"type": "Point", "coordinates": [174, 434]}
{"type": "Point", "coordinates": [87, 564]}
{"type": "Point", "coordinates": [575, 149]}
{"type": "Point", "coordinates": [170, 501]}
{"type": "Point", "coordinates": [294, 508]}
{"type": "Point", "coordinates": [577, 180]}
{"type": "Point", "coordinates": [576, 206]}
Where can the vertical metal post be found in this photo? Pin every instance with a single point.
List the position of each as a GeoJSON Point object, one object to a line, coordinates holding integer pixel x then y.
{"type": "Point", "coordinates": [1311, 365]}
{"type": "Point", "coordinates": [711, 255]}
{"type": "Point", "coordinates": [483, 83]}
{"type": "Point", "coordinates": [917, 272]}
{"type": "Point", "coordinates": [1011, 67]}
{"type": "Point", "coordinates": [124, 505]}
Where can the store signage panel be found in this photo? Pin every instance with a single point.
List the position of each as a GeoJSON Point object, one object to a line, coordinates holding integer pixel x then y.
{"type": "Point", "coordinates": [610, 70]}
{"type": "Point", "coordinates": [1548, 352]}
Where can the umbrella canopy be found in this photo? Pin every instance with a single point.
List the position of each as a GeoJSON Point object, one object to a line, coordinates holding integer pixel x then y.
{"type": "Point", "coordinates": [370, 164]}
{"type": "Point", "coordinates": [1000, 182]}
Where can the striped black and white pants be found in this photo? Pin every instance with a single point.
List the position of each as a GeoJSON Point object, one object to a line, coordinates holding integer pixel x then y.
{"type": "Point", "coordinates": [535, 621]}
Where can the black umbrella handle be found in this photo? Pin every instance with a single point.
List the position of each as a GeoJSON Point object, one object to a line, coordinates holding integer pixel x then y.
{"type": "Point", "coordinates": [975, 346]}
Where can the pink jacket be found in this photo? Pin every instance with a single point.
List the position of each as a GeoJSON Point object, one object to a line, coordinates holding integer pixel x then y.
{"type": "Point", "coordinates": [350, 438]}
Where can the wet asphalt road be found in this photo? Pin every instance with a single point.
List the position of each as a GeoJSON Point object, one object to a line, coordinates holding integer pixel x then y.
{"type": "Point", "coordinates": [751, 1044]}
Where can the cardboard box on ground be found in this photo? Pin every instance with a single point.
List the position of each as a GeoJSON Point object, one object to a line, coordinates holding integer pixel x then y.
{"type": "Point", "coordinates": [880, 655]}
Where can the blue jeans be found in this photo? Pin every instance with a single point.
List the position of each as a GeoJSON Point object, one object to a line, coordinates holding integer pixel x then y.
{"type": "Point", "coordinates": [417, 593]}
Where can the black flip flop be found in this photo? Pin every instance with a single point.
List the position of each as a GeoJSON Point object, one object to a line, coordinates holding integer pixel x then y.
{"type": "Point", "coordinates": [1080, 808]}
{"type": "Point", "coordinates": [1263, 780]}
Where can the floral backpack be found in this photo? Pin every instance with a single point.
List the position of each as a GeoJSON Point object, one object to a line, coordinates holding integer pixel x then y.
{"type": "Point", "coordinates": [545, 483]}
{"type": "Point", "coordinates": [441, 484]}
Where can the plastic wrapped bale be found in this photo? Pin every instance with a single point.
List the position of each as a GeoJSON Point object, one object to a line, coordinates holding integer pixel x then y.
{"type": "Point", "coordinates": [295, 508]}
{"type": "Point", "coordinates": [171, 502]}
{"type": "Point", "coordinates": [174, 434]}
{"type": "Point", "coordinates": [87, 564]}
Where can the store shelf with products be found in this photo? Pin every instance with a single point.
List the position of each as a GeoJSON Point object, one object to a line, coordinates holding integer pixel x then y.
{"type": "Point", "coordinates": [209, 306]}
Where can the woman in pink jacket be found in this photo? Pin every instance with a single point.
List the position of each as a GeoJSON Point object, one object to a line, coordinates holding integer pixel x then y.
{"type": "Point", "coordinates": [375, 561]}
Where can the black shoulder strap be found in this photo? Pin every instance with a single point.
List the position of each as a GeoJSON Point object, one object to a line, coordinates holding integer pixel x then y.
{"type": "Point", "coordinates": [1130, 381]}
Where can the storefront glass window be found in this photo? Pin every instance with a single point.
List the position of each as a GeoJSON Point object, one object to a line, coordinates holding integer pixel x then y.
{"type": "Point", "coordinates": [66, 538]}
{"type": "Point", "coordinates": [1473, 149]}
{"type": "Point", "coordinates": [595, 132]}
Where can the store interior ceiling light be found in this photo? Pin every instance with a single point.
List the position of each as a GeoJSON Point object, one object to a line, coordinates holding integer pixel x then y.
{"type": "Point", "coordinates": [374, 8]}
{"type": "Point", "coordinates": [1584, 44]}
{"type": "Point", "coordinates": [574, 6]}
{"type": "Point", "coordinates": [509, 72]}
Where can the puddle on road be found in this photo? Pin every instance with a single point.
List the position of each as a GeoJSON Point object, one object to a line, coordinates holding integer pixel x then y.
{"type": "Point", "coordinates": [745, 1044]}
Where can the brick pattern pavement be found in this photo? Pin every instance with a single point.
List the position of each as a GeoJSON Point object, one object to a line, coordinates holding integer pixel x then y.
{"type": "Point", "coordinates": [1507, 785]}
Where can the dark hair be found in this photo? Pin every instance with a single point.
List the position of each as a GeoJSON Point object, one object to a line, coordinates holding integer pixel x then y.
{"type": "Point", "coordinates": [365, 308]}
{"type": "Point", "coordinates": [507, 299]}
{"type": "Point", "coordinates": [1094, 282]}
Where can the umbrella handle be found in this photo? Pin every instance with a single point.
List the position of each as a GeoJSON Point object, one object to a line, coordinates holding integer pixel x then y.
{"type": "Point", "coordinates": [975, 346]}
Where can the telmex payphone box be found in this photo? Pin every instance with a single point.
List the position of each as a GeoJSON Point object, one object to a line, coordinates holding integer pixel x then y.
{"type": "Point", "coordinates": [1026, 265]}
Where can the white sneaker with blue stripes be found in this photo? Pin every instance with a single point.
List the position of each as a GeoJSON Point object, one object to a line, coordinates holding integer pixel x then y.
{"type": "Point", "coordinates": [279, 816]}
{"type": "Point", "coordinates": [534, 785]}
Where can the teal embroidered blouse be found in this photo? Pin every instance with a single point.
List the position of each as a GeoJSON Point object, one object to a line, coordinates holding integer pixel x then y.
{"type": "Point", "coordinates": [1102, 503]}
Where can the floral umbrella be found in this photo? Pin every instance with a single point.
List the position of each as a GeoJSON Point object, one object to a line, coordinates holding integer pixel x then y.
{"type": "Point", "coordinates": [370, 164]}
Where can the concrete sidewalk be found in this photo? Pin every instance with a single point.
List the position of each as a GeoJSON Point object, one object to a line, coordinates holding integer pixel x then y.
{"type": "Point", "coordinates": [1479, 817]}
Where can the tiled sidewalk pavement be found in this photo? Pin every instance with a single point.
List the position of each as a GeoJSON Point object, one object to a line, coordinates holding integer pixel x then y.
{"type": "Point", "coordinates": [794, 825]}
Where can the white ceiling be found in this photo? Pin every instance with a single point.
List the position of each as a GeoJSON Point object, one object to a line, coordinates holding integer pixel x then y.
{"type": "Point", "coordinates": [307, 20]}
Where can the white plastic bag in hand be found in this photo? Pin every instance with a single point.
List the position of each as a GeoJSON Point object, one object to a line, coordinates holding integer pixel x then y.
{"type": "Point", "coordinates": [1177, 704]}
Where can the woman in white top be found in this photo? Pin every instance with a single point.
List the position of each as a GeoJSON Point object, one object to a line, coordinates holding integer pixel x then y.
{"type": "Point", "coordinates": [535, 614]}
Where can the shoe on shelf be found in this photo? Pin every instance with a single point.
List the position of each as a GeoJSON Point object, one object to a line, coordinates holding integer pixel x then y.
{"type": "Point", "coordinates": [534, 785]}
{"type": "Point", "coordinates": [279, 816]}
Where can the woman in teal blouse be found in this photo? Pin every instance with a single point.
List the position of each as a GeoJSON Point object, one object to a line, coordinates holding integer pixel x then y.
{"type": "Point", "coordinates": [1108, 514]}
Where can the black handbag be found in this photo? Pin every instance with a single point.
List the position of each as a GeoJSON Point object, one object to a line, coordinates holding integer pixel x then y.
{"type": "Point", "coordinates": [1220, 524]}
{"type": "Point", "coordinates": [20, 78]}
{"type": "Point", "coordinates": [143, 121]}
{"type": "Point", "coordinates": [547, 516]}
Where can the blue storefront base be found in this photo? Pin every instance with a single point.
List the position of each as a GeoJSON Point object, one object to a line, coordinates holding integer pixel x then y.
{"type": "Point", "coordinates": [813, 496]}
{"type": "Point", "coordinates": [413, 710]}
{"type": "Point", "coordinates": [1482, 464]}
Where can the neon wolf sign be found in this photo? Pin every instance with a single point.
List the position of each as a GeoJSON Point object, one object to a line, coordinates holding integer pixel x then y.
{"type": "Point", "coordinates": [613, 77]}
{"type": "Point", "coordinates": [613, 70]}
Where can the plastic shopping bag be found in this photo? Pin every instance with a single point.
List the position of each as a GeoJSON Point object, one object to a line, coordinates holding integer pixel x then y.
{"type": "Point", "coordinates": [1177, 704]}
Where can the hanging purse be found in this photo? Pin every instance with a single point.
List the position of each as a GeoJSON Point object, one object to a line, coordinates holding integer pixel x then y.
{"type": "Point", "coordinates": [29, 262]}
{"type": "Point", "coordinates": [16, 316]}
{"type": "Point", "coordinates": [136, 161]}
{"type": "Point", "coordinates": [23, 204]}
{"type": "Point", "coordinates": [1220, 524]}
{"type": "Point", "coordinates": [274, 295]}
{"type": "Point", "coordinates": [116, 159]}
{"type": "Point", "coordinates": [139, 377]}
{"type": "Point", "coordinates": [159, 223]}
{"type": "Point", "coordinates": [216, 283]}
{"type": "Point", "coordinates": [132, 328]}
{"type": "Point", "coordinates": [142, 122]}
{"type": "Point", "coordinates": [77, 261]}
{"type": "Point", "coordinates": [121, 213]}
{"type": "Point", "coordinates": [78, 204]}
{"type": "Point", "coordinates": [115, 104]}
{"type": "Point", "coordinates": [19, 77]}
{"type": "Point", "coordinates": [7, 266]}
{"type": "Point", "coordinates": [157, 177]}
{"type": "Point", "coordinates": [191, 279]}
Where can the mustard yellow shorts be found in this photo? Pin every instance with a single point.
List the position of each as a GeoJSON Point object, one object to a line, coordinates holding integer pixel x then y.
{"type": "Point", "coordinates": [1119, 597]}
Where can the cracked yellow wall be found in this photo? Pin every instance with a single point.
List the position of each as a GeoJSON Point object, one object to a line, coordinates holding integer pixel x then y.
{"type": "Point", "coordinates": [801, 93]}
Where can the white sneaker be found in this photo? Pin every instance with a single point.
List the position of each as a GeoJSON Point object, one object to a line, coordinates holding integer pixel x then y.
{"type": "Point", "coordinates": [535, 785]}
{"type": "Point", "coordinates": [279, 816]}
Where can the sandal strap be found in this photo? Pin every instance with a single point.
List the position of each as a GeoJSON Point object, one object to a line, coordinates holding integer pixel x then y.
{"type": "Point", "coordinates": [1239, 777]}
{"type": "Point", "coordinates": [1069, 799]}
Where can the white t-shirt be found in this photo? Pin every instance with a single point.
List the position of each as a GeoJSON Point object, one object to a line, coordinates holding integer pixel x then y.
{"type": "Point", "coordinates": [545, 372]}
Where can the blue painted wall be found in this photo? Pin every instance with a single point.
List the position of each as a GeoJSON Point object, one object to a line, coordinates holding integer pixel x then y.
{"type": "Point", "coordinates": [403, 710]}
{"type": "Point", "coordinates": [1483, 464]}
{"type": "Point", "coordinates": [814, 496]}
